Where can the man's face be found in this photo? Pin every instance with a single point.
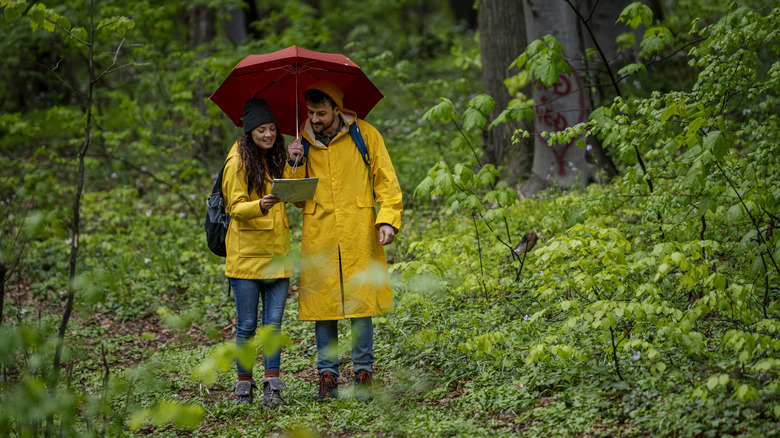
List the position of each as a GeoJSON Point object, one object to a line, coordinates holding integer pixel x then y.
{"type": "Point", "coordinates": [322, 117]}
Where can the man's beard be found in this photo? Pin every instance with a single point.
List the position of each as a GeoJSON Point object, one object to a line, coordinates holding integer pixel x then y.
{"type": "Point", "coordinates": [320, 128]}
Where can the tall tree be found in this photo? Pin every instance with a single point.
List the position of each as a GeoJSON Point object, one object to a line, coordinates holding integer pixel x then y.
{"type": "Point", "coordinates": [560, 105]}
{"type": "Point", "coordinates": [502, 39]}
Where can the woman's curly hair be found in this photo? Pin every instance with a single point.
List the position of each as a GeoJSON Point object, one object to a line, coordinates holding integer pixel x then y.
{"type": "Point", "coordinates": [252, 158]}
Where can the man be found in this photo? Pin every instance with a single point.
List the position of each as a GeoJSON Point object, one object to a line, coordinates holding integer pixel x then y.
{"type": "Point", "coordinates": [344, 270]}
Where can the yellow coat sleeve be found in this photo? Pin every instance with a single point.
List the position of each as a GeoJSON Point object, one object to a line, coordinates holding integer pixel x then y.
{"type": "Point", "coordinates": [387, 191]}
{"type": "Point", "coordinates": [238, 203]}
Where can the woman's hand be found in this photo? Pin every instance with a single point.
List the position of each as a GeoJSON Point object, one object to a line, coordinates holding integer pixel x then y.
{"type": "Point", "coordinates": [269, 201]}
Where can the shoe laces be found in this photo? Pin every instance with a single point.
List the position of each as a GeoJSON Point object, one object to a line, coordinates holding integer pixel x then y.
{"type": "Point", "coordinates": [327, 383]}
{"type": "Point", "coordinates": [363, 377]}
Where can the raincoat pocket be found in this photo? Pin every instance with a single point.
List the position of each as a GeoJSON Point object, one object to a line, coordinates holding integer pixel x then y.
{"type": "Point", "coordinates": [256, 238]}
{"type": "Point", "coordinates": [364, 201]}
{"type": "Point", "coordinates": [309, 207]}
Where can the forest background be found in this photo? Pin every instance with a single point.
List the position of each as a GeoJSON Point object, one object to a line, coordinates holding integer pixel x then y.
{"type": "Point", "coordinates": [648, 305]}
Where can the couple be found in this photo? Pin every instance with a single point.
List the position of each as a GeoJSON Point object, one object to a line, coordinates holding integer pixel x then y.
{"type": "Point", "coordinates": [343, 272]}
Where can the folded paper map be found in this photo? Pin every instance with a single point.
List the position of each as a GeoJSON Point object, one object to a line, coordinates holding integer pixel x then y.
{"type": "Point", "coordinates": [294, 190]}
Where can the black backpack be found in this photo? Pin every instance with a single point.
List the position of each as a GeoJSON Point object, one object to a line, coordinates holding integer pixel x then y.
{"type": "Point", "coordinates": [217, 219]}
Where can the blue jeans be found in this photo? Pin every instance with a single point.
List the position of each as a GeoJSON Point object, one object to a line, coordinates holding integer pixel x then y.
{"type": "Point", "coordinates": [327, 336]}
{"type": "Point", "coordinates": [248, 294]}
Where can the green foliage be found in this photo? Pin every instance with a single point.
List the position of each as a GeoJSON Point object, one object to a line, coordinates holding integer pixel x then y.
{"type": "Point", "coordinates": [636, 14]}
{"type": "Point", "coordinates": [544, 60]}
{"type": "Point", "coordinates": [669, 272]}
{"type": "Point", "coordinates": [648, 307]}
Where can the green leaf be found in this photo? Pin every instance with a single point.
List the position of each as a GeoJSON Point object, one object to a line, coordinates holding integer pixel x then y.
{"type": "Point", "coordinates": [707, 204]}
{"type": "Point", "coordinates": [635, 14]}
{"type": "Point", "coordinates": [425, 187]}
{"type": "Point", "coordinates": [631, 69]}
{"type": "Point", "coordinates": [602, 116]}
{"type": "Point", "coordinates": [735, 213]}
{"type": "Point", "coordinates": [545, 72]}
{"type": "Point", "coordinates": [14, 10]}
{"type": "Point", "coordinates": [49, 25]}
{"type": "Point", "coordinates": [464, 176]}
{"type": "Point", "coordinates": [746, 393]}
{"type": "Point", "coordinates": [518, 109]}
{"type": "Point", "coordinates": [37, 15]}
{"type": "Point", "coordinates": [444, 182]}
{"type": "Point", "coordinates": [671, 110]}
{"type": "Point", "coordinates": [443, 112]}
{"type": "Point", "coordinates": [472, 203]}
{"type": "Point", "coordinates": [473, 119]}
{"type": "Point", "coordinates": [520, 61]}
{"type": "Point", "coordinates": [626, 40]}
{"type": "Point", "coordinates": [482, 103]}
{"type": "Point", "coordinates": [488, 174]}
{"type": "Point", "coordinates": [655, 40]}
{"type": "Point", "coordinates": [80, 33]}
{"type": "Point", "coordinates": [717, 143]}
{"type": "Point", "coordinates": [712, 383]}
{"type": "Point", "coordinates": [534, 48]}
{"type": "Point", "coordinates": [62, 21]}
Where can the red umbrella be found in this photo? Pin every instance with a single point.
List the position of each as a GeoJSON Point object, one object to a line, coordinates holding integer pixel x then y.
{"type": "Point", "coordinates": [280, 78]}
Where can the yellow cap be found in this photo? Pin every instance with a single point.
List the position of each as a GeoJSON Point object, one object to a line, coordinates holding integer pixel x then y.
{"type": "Point", "coordinates": [331, 90]}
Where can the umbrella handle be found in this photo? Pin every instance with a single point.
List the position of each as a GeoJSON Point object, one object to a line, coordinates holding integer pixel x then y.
{"type": "Point", "coordinates": [295, 165]}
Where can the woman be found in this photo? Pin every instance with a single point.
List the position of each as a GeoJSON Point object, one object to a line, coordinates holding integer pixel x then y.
{"type": "Point", "coordinates": [258, 244]}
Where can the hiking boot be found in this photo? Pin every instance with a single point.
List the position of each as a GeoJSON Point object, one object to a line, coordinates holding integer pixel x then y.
{"type": "Point", "coordinates": [328, 386]}
{"type": "Point", "coordinates": [244, 392]}
{"type": "Point", "coordinates": [272, 392]}
{"type": "Point", "coordinates": [363, 384]}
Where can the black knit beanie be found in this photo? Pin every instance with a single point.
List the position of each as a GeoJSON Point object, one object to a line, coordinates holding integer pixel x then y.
{"type": "Point", "coordinates": [256, 112]}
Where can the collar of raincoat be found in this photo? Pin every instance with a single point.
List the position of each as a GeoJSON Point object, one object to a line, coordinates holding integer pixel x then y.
{"type": "Point", "coordinates": [346, 115]}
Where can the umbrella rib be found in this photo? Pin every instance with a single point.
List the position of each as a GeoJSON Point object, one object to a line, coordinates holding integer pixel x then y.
{"type": "Point", "coordinates": [292, 70]}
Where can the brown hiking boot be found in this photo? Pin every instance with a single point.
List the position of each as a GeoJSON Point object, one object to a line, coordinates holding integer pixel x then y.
{"type": "Point", "coordinates": [328, 387]}
{"type": "Point", "coordinates": [363, 384]}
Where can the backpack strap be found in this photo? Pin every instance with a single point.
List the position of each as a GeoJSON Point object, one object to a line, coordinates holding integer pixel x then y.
{"type": "Point", "coordinates": [357, 137]}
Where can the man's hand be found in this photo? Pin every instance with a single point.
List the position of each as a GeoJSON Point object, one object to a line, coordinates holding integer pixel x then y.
{"type": "Point", "coordinates": [295, 149]}
{"type": "Point", "coordinates": [386, 234]}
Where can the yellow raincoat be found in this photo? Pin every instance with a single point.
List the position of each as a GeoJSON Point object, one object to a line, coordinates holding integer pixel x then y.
{"type": "Point", "coordinates": [340, 243]}
{"type": "Point", "coordinates": [258, 245]}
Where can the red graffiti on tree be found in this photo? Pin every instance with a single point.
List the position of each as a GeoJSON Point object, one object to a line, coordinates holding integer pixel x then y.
{"type": "Point", "coordinates": [553, 105]}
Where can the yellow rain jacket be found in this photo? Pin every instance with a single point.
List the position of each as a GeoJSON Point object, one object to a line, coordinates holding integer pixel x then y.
{"type": "Point", "coordinates": [258, 246]}
{"type": "Point", "coordinates": [340, 244]}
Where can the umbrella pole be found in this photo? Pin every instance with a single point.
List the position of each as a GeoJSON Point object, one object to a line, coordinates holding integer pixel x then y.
{"type": "Point", "coordinates": [297, 125]}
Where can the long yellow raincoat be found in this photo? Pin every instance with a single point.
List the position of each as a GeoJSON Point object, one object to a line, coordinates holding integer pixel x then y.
{"type": "Point", "coordinates": [340, 244]}
{"type": "Point", "coordinates": [258, 245]}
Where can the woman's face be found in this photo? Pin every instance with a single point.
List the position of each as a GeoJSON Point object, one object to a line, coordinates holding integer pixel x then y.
{"type": "Point", "coordinates": [264, 136]}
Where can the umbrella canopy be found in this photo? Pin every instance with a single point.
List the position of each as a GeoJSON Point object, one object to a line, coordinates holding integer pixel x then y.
{"type": "Point", "coordinates": [280, 78]}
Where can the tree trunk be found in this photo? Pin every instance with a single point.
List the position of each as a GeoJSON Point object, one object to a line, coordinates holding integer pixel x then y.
{"type": "Point", "coordinates": [502, 40]}
{"type": "Point", "coordinates": [559, 106]}
{"type": "Point", "coordinates": [201, 23]}
{"type": "Point", "coordinates": [3, 271]}
{"type": "Point", "coordinates": [464, 12]}
{"type": "Point", "coordinates": [236, 28]}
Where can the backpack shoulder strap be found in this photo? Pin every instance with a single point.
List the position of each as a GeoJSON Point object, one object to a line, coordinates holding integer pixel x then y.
{"type": "Point", "coordinates": [218, 183]}
{"type": "Point", "coordinates": [306, 146]}
{"type": "Point", "coordinates": [357, 137]}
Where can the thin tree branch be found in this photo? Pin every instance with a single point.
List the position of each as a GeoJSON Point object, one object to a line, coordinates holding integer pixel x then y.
{"type": "Point", "coordinates": [598, 48]}
{"type": "Point", "coordinates": [113, 63]}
